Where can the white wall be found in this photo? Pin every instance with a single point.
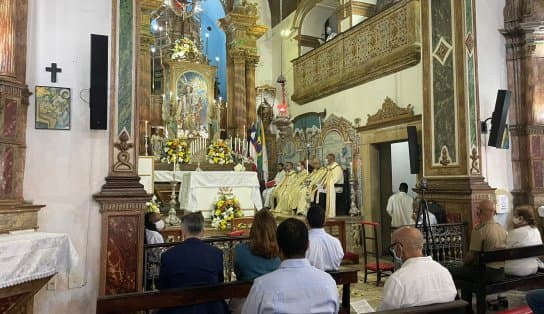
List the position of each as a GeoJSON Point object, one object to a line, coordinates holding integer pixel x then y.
{"type": "Point", "coordinates": [400, 168]}
{"type": "Point", "coordinates": [65, 168]}
{"type": "Point", "coordinates": [496, 163]}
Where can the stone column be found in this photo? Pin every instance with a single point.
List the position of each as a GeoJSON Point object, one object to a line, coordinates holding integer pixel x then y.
{"type": "Point", "coordinates": [7, 40]}
{"type": "Point", "coordinates": [451, 134]}
{"type": "Point", "coordinates": [525, 66]}
{"type": "Point", "coordinates": [123, 198]}
{"type": "Point", "coordinates": [240, 26]}
{"type": "Point", "coordinates": [251, 100]}
{"type": "Point", "coordinates": [238, 105]}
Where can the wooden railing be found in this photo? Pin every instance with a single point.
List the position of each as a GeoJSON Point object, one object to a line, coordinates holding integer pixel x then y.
{"type": "Point", "coordinates": [225, 244]}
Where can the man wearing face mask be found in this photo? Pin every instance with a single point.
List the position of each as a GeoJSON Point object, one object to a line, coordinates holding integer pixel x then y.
{"type": "Point", "coordinates": [420, 280]}
{"type": "Point", "coordinates": [153, 225]}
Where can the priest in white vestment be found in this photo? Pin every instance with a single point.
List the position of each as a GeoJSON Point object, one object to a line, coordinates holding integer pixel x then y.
{"type": "Point", "coordinates": [271, 186]}
{"type": "Point", "coordinates": [335, 175]}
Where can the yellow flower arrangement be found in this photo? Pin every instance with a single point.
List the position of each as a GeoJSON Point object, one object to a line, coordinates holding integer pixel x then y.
{"type": "Point", "coordinates": [176, 151]}
{"type": "Point", "coordinates": [153, 206]}
{"type": "Point", "coordinates": [219, 153]}
{"type": "Point", "coordinates": [225, 210]}
{"type": "Point", "coordinates": [184, 49]}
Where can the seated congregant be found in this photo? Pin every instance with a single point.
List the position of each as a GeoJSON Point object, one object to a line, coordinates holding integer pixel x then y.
{"type": "Point", "coordinates": [420, 280]}
{"type": "Point", "coordinates": [271, 185]}
{"type": "Point", "coordinates": [525, 233]}
{"type": "Point", "coordinates": [192, 263]}
{"type": "Point", "coordinates": [431, 218]}
{"type": "Point", "coordinates": [325, 251]}
{"type": "Point", "coordinates": [257, 257]}
{"type": "Point", "coordinates": [153, 225]}
{"type": "Point", "coordinates": [296, 286]}
{"type": "Point", "coordinates": [487, 236]}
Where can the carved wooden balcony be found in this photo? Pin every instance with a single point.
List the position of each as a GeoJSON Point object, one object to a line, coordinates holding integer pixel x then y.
{"type": "Point", "coordinates": [381, 45]}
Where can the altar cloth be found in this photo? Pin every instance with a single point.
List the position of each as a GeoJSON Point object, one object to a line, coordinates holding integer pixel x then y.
{"type": "Point", "coordinates": [200, 190]}
{"type": "Point", "coordinates": [34, 255]}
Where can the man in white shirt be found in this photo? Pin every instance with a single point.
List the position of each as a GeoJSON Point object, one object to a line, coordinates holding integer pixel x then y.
{"type": "Point", "coordinates": [420, 280]}
{"type": "Point", "coordinates": [399, 207]}
{"type": "Point", "coordinates": [271, 185]}
{"type": "Point", "coordinates": [325, 251]}
{"type": "Point", "coordinates": [296, 286]}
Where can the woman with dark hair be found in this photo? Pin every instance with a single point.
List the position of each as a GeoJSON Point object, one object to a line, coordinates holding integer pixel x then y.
{"type": "Point", "coordinates": [259, 256]}
{"type": "Point", "coordinates": [525, 233]}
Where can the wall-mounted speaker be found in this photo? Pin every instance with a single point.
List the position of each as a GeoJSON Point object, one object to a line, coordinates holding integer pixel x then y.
{"type": "Point", "coordinates": [98, 94]}
{"type": "Point", "coordinates": [413, 149]}
{"type": "Point", "coordinates": [498, 119]}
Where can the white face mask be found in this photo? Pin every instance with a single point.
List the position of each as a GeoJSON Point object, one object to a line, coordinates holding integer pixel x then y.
{"type": "Point", "coordinates": [517, 220]}
{"type": "Point", "coordinates": [159, 225]}
{"type": "Point", "coordinates": [299, 168]}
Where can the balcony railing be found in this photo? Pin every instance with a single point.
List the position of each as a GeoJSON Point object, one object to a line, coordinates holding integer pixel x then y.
{"type": "Point", "coordinates": [383, 44]}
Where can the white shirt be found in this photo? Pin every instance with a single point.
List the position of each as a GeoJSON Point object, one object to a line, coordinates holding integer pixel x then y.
{"type": "Point", "coordinates": [325, 251]}
{"type": "Point", "coordinates": [399, 207]}
{"type": "Point", "coordinates": [520, 237]}
{"type": "Point", "coordinates": [295, 287]}
{"type": "Point", "coordinates": [432, 219]}
{"type": "Point", "coordinates": [420, 281]}
{"type": "Point", "coordinates": [279, 176]}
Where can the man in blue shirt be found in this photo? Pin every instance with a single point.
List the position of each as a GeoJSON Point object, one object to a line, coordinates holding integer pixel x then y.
{"type": "Point", "coordinates": [296, 286]}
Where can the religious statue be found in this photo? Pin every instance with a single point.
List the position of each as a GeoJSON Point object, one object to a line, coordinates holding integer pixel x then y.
{"type": "Point", "coordinates": [157, 142]}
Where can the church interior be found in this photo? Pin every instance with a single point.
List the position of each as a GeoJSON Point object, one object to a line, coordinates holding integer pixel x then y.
{"type": "Point", "coordinates": [180, 106]}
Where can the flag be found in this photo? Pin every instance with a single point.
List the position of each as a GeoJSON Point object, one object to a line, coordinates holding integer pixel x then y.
{"type": "Point", "coordinates": [253, 142]}
{"type": "Point", "coordinates": [263, 156]}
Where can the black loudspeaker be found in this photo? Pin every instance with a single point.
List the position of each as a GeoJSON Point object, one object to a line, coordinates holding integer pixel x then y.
{"type": "Point", "coordinates": [498, 119]}
{"type": "Point", "coordinates": [98, 94]}
{"type": "Point", "coordinates": [413, 149]}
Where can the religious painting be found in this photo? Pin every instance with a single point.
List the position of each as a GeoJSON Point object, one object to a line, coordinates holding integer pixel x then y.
{"type": "Point", "coordinates": [53, 108]}
{"type": "Point", "coordinates": [290, 153]}
{"type": "Point", "coordinates": [157, 140]}
{"type": "Point", "coordinates": [190, 110]}
{"type": "Point", "coordinates": [333, 143]}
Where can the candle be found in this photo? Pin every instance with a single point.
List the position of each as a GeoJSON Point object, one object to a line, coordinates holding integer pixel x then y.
{"type": "Point", "coordinates": [351, 165]}
{"type": "Point", "coordinates": [145, 128]}
{"type": "Point", "coordinates": [319, 123]}
{"type": "Point", "coordinates": [307, 169]}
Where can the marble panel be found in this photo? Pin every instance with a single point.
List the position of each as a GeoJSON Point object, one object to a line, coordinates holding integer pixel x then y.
{"type": "Point", "coordinates": [535, 146]}
{"type": "Point", "coordinates": [6, 171]}
{"type": "Point", "coordinates": [9, 119]}
{"type": "Point", "coordinates": [121, 263]}
{"type": "Point", "coordinates": [125, 71]}
{"type": "Point", "coordinates": [537, 173]}
{"type": "Point", "coordinates": [443, 81]}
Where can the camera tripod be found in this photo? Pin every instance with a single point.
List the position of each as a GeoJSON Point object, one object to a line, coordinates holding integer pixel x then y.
{"type": "Point", "coordinates": [423, 222]}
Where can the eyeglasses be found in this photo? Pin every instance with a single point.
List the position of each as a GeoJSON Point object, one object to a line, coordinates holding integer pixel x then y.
{"type": "Point", "coordinates": [391, 248]}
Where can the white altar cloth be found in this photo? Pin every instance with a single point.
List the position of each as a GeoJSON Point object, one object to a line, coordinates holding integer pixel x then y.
{"type": "Point", "coordinates": [200, 190]}
{"type": "Point", "coordinates": [34, 255]}
{"type": "Point", "coordinates": [166, 175]}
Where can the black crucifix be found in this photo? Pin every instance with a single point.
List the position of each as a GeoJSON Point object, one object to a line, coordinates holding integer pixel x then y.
{"type": "Point", "coordinates": [54, 70]}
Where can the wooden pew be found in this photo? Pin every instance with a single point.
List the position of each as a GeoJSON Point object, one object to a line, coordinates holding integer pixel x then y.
{"type": "Point", "coordinates": [139, 301]}
{"type": "Point", "coordinates": [482, 288]}
{"type": "Point", "coordinates": [454, 307]}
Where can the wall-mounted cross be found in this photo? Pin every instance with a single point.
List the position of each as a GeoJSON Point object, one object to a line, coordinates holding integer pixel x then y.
{"type": "Point", "coordinates": [54, 70]}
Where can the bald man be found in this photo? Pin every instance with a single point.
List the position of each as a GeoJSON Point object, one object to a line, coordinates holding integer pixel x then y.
{"type": "Point", "coordinates": [420, 280]}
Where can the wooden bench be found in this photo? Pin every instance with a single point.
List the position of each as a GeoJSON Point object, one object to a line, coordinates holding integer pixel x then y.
{"type": "Point", "coordinates": [454, 307]}
{"type": "Point", "coordinates": [140, 301]}
{"type": "Point", "coordinates": [482, 287]}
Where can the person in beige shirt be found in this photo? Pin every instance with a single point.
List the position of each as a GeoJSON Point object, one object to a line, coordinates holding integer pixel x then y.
{"type": "Point", "coordinates": [487, 236]}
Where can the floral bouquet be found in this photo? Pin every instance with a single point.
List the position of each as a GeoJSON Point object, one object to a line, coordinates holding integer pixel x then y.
{"type": "Point", "coordinates": [153, 206]}
{"type": "Point", "coordinates": [176, 151]}
{"type": "Point", "coordinates": [219, 153]}
{"type": "Point", "coordinates": [225, 210]}
{"type": "Point", "coordinates": [184, 49]}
